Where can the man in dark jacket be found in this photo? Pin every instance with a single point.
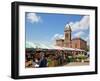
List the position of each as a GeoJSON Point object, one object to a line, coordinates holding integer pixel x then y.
{"type": "Point", "coordinates": [43, 60]}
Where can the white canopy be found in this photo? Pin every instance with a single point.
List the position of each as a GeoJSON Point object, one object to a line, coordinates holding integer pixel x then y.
{"type": "Point", "coordinates": [49, 46]}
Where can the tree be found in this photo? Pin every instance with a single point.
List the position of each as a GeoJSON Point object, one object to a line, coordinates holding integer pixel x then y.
{"type": "Point", "coordinates": [87, 48]}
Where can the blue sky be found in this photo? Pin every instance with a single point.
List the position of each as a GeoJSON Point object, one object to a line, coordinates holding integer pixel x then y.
{"type": "Point", "coordinates": [45, 27]}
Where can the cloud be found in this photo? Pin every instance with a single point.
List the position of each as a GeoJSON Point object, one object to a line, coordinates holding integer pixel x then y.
{"type": "Point", "coordinates": [83, 24]}
{"type": "Point", "coordinates": [33, 17]}
{"type": "Point", "coordinates": [79, 34]}
{"type": "Point", "coordinates": [79, 28]}
{"type": "Point", "coordinates": [57, 36]}
{"type": "Point", "coordinates": [82, 35]}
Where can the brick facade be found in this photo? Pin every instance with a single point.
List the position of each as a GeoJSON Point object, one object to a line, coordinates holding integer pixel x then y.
{"type": "Point", "coordinates": [69, 42]}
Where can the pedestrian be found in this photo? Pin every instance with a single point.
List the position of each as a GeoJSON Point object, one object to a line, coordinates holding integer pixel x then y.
{"type": "Point", "coordinates": [43, 60]}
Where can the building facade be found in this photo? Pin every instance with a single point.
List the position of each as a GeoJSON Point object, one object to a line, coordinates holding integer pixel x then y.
{"type": "Point", "coordinates": [69, 42]}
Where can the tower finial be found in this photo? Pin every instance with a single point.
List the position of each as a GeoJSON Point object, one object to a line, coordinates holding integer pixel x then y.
{"type": "Point", "coordinates": [67, 27]}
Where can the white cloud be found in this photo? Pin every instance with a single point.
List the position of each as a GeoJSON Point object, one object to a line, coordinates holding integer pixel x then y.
{"type": "Point", "coordinates": [58, 36]}
{"type": "Point", "coordinates": [82, 35]}
{"type": "Point", "coordinates": [79, 34]}
{"type": "Point", "coordinates": [79, 27]}
{"type": "Point", "coordinates": [83, 24]}
{"type": "Point", "coordinates": [33, 17]}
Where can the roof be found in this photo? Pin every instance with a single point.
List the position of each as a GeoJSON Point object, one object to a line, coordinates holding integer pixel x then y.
{"type": "Point", "coordinates": [67, 27]}
{"type": "Point", "coordinates": [78, 38]}
{"type": "Point", "coordinates": [49, 46]}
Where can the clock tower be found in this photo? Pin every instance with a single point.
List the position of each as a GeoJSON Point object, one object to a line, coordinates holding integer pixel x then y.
{"type": "Point", "coordinates": [67, 35]}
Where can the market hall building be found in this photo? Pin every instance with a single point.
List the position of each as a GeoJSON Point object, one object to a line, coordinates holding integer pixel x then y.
{"type": "Point", "coordinates": [68, 42]}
